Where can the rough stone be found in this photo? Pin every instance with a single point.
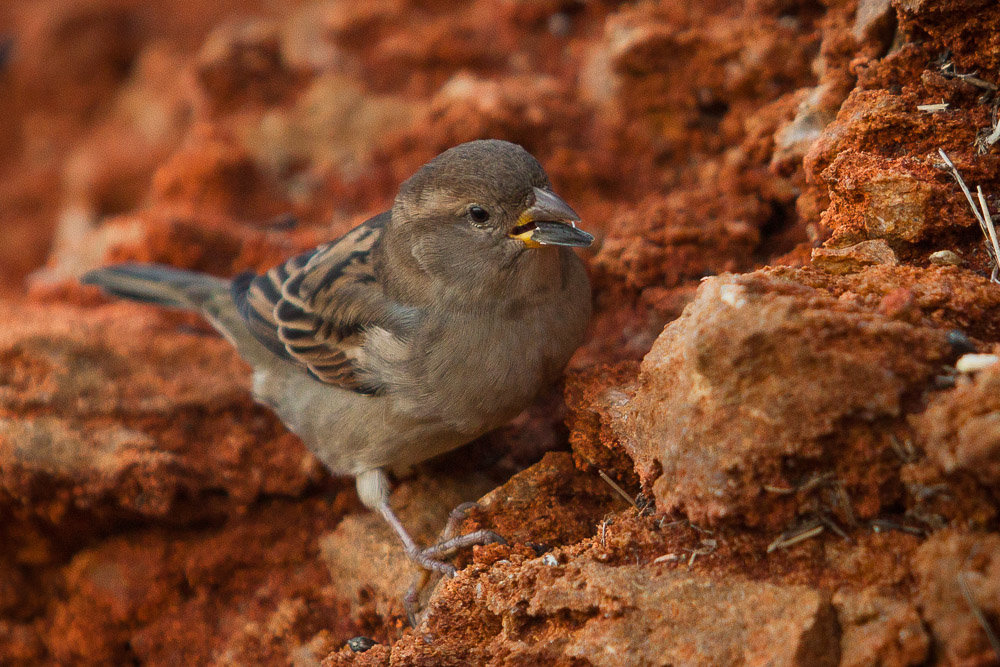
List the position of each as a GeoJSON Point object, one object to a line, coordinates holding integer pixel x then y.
{"type": "Point", "coordinates": [636, 616]}
{"type": "Point", "coordinates": [116, 415]}
{"type": "Point", "coordinates": [753, 384]}
{"type": "Point", "coordinates": [946, 564]}
{"type": "Point", "coordinates": [960, 430]}
{"type": "Point", "coordinates": [878, 629]}
{"type": "Point", "coordinates": [854, 258]}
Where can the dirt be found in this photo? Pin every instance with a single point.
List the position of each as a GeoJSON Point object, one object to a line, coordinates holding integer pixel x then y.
{"type": "Point", "coordinates": [763, 453]}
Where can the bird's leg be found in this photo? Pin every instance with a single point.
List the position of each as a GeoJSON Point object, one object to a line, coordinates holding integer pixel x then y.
{"type": "Point", "coordinates": [446, 544]}
{"type": "Point", "coordinates": [373, 489]}
{"type": "Point", "coordinates": [425, 558]}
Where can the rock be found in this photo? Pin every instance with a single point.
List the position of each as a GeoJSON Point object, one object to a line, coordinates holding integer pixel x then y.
{"type": "Point", "coordinates": [592, 398]}
{"type": "Point", "coordinates": [941, 565]}
{"type": "Point", "coordinates": [944, 258]}
{"type": "Point", "coordinates": [879, 629]}
{"type": "Point", "coordinates": [668, 240]}
{"type": "Point", "coordinates": [754, 384]}
{"type": "Point", "coordinates": [629, 615]}
{"type": "Point", "coordinates": [71, 54]}
{"type": "Point", "coordinates": [944, 297]}
{"type": "Point", "coordinates": [214, 177]}
{"type": "Point", "coordinates": [812, 116]}
{"type": "Point", "coordinates": [853, 258]}
{"type": "Point", "coordinates": [874, 19]}
{"type": "Point", "coordinates": [889, 200]}
{"type": "Point", "coordinates": [242, 64]}
{"type": "Point", "coordinates": [147, 597]}
{"type": "Point", "coordinates": [960, 430]}
{"type": "Point", "coordinates": [150, 513]}
{"type": "Point", "coordinates": [377, 656]}
{"type": "Point", "coordinates": [334, 125]}
{"type": "Point", "coordinates": [549, 504]}
{"type": "Point", "coordinates": [899, 196]}
{"type": "Point", "coordinates": [934, 17]}
{"type": "Point", "coordinates": [112, 414]}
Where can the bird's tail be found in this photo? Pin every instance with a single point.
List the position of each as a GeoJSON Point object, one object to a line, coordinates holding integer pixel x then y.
{"type": "Point", "coordinates": [159, 284]}
{"type": "Point", "coordinates": [177, 288]}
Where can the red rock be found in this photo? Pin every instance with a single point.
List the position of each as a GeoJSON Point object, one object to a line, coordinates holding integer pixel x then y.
{"type": "Point", "coordinates": [114, 415]}
{"type": "Point", "coordinates": [894, 201]}
{"type": "Point", "coordinates": [593, 397]}
{"type": "Point", "coordinates": [944, 297]}
{"type": "Point", "coordinates": [935, 18]}
{"type": "Point", "coordinates": [960, 430]}
{"type": "Point", "coordinates": [250, 589]}
{"type": "Point", "coordinates": [939, 564]}
{"type": "Point", "coordinates": [242, 65]}
{"type": "Point", "coordinates": [549, 504]}
{"type": "Point", "coordinates": [366, 558]}
{"type": "Point", "coordinates": [679, 238]}
{"type": "Point", "coordinates": [754, 384]}
{"type": "Point", "coordinates": [853, 258]}
{"type": "Point", "coordinates": [80, 51]}
{"type": "Point", "coordinates": [627, 615]}
{"type": "Point", "coordinates": [879, 629]}
{"type": "Point", "coordinates": [213, 177]}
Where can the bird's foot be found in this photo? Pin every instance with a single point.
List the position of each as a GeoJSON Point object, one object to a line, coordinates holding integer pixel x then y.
{"type": "Point", "coordinates": [430, 558]}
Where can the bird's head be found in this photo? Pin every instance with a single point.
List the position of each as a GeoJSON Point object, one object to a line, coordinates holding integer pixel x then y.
{"type": "Point", "coordinates": [488, 199]}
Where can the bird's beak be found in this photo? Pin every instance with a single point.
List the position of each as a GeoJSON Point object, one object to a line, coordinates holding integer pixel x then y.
{"type": "Point", "coordinates": [549, 221]}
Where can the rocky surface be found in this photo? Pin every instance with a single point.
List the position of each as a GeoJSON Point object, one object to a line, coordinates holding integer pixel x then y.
{"type": "Point", "coordinates": [785, 279]}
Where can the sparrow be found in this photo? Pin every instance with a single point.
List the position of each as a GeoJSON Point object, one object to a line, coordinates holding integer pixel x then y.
{"type": "Point", "coordinates": [417, 331]}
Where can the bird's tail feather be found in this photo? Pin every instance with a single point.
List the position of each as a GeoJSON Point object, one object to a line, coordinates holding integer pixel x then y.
{"type": "Point", "coordinates": [177, 288]}
{"type": "Point", "coordinates": [156, 283]}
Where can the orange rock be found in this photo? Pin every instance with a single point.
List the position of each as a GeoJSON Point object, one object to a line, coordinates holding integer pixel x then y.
{"type": "Point", "coordinates": [960, 430]}
{"type": "Point", "coordinates": [758, 382]}
{"type": "Point", "coordinates": [957, 571]}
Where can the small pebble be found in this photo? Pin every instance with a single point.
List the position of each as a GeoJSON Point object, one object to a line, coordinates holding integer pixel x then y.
{"type": "Point", "coordinates": [960, 343]}
{"type": "Point", "coordinates": [539, 549]}
{"type": "Point", "coordinates": [360, 644]}
{"type": "Point", "coordinates": [970, 363]}
{"type": "Point", "coordinates": [945, 258]}
{"type": "Point", "coordinates": [550, 560]}
{"type": "Point", "coordinates": [944, 381]}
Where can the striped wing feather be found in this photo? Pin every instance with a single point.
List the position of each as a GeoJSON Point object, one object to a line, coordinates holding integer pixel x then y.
{"type": "Point", "coordinates": [312, 310]}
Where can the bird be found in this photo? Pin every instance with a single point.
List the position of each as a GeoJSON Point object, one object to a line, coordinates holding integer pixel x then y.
{"type": "Point", "coordinates": [414, 333]}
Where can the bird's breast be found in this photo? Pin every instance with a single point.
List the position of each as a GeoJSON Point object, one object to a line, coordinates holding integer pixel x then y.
{"type": "Point", "coordinates": [477, 370]}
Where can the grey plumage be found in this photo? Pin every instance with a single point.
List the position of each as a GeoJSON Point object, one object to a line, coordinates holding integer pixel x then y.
{"type": "Point", "coordinates": [414, 333]}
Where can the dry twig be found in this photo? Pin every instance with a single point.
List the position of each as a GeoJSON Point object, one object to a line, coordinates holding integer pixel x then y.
{"type": "Point", "coordinates": [619, 490]}
{"type": "Point", "coordinates": [977, 611]}
{"type": "Point", "coordinates": [707, 547]}
{"type": "Point", "coordinates": [793, 537]}
{"type": "Point", "coordinates": [985, 141]}
{"type": "Point", "coordinates": [880, 525]}
{"type": "Point", "coordinates": [950, 71]}
{"type": "Point", "coordinates": [832, 525]}
{"type": "Point", "coordinates": [982, 214]}
{"type": "Point", "coordinates": [903, 449]}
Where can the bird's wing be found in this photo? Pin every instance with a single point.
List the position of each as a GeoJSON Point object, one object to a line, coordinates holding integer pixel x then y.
{"type": "Point", "coordinates": [313, 310]}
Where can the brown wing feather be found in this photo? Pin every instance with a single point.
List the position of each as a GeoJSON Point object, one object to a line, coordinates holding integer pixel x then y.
{"type": "Point", "coordinates": [313, 309]}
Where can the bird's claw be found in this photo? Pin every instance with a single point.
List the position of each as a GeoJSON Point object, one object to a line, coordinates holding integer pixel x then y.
{"type": "Point", "coordinates": [425, 558]}
{"type": "Point", "coordinates": [429, 559]}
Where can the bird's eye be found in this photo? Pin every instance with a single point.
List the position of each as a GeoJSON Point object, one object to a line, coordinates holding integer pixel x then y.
{"type": "Point", "coordinates": [478, 214]}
